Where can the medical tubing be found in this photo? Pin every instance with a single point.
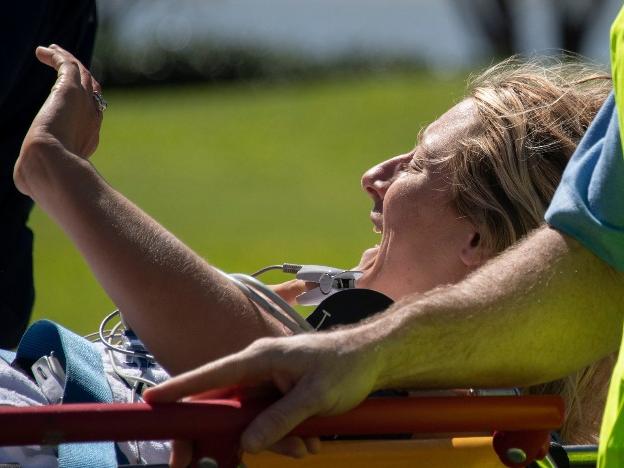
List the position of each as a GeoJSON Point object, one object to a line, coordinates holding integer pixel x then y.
{"type": "Point", "coordinates": [125, 376]}
{"type": "Point", "coordinates": [113, 347]}
{"type": "Point", "coordinates": [267, 306]}
{"type": "Point", "coordinates": [248, 285]}
{"type": "Point", "coordinates": [265, 269]}
{"type": "Point", "coordinates": [111, 356]}
{"type": "Point", "coordinates": [272, 295]}
{"type": "Point", "coordinates": [104, 336]}
{"type": "Point", "coordinates": [133, 399]}
{"type": "Point", "coordinates": [276, 298]}
{"type": "Point", "coordinates": [292, 268]}
{"type": "Point", "coordinates": [262, 302]}
{"type": "Point", "coordinates": [92, 336]}
{"type": "Point", "coordinates": [95, 336]}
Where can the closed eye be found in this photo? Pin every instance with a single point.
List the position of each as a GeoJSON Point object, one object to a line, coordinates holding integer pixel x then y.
{"type": "Point", "coordinates": [415, 165]}
{"type": "Point", "coordinates": [411, 165]}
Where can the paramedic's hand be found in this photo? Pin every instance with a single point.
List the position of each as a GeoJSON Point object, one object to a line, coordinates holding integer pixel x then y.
{"type": "Point", "coordinates": [69, 118]}
{"type": "Point", "coordinates": [323, 373]}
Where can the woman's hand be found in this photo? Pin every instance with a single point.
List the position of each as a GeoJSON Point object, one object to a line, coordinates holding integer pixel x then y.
{"type": "Point", "coordinates": [289, 290]}
{"type": "Point", "coordinates": [70, 118]}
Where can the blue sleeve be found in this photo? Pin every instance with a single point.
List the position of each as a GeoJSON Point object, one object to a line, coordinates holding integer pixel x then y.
{"type": "Point", "coordinates": [589, 202]}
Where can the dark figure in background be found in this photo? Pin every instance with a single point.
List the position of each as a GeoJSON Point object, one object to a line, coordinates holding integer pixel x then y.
{"type": "Point", "coordinates": [24, 85]}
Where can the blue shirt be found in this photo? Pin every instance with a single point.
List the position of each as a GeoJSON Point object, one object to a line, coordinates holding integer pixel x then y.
{"type": "Point", "coordinates": [589, 202]}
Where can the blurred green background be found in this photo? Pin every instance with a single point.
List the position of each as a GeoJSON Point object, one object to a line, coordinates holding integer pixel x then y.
{"type": "Point", "coordinates": [246, 174]}
{"type": "Point", "coordinates": [244, 127]}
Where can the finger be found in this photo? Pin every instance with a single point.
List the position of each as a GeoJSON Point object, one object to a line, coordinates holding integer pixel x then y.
{"type": "Point", "coordinates": [95, 85]}
{"type": "Point", "coordinates": [313, 444]}
{"type": "Point", "coordinates": [242, 368]}
{"type": "Point", "coordinates": [216, 394]}
{"type": "Point", "coordinates": [279, 419]}
{"type": "Point", "coordinates": [256, 392]}
{"type": "Point", "coordinates": [85, 78]}
{"type": "Point", "coordinates": [44, 55]}
{"type": "Point", "coordinates": [293, 288]}
{"type": "Point", "coordinates": [53, 57]}
{"type": "Point", "coordinates": [288, 290]}
{"type": "Point", "coordinates": [291, 446]}
{"type": "Point", "coordinates": [181, 454]}
{"type": "Point", "coordinates": [68, 57]}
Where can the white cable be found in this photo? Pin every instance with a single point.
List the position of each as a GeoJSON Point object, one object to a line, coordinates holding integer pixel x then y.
{"type": "Point", "coordinates": [116, 348]}
{"type": "Point", "coordinates": [125, 376]}
{"type": "Point", "coordinates": [251, 294]}
{"type": "Point", "coordinates": [112, 348]}
{"type": "Point", "coordinates": [276, 298]}
{"type": "Point", "coordinates": [248, 285]}
{"type": "Point", "coordinates": [95, 336]}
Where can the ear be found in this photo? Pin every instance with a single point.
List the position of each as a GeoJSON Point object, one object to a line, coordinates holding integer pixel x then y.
{"type": "Point", "coordinates": [473, 254]}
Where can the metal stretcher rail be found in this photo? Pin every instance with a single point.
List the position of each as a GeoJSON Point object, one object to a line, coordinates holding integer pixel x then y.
{"type": "Point", "coordinates": [520, 425]}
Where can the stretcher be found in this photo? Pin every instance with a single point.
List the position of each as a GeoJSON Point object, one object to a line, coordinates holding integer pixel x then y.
{"type": "Point", "coordinates": [457, 431]}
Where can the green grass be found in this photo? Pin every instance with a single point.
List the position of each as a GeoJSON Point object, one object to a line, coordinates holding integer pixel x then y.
{"type": "Point", "coordinates": [247, 175]}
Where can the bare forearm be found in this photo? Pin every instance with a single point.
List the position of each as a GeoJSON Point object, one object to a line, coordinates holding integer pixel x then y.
{"type": "Point", "coordinates": [185, 312]}
{"type": "Point", "coordinates": [534, 314]}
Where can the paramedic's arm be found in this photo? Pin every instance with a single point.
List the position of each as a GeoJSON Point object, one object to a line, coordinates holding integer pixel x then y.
{"type": "Point", "coordinates": [536, 313]}
{"type": "Point", "coordinates": [185, 312]}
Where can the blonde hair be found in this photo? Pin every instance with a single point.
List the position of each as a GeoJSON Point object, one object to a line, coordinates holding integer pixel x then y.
{"type": "Point", "coordinates": [531, 117]}
{"type": "Point", "coordinates": [503, 174]}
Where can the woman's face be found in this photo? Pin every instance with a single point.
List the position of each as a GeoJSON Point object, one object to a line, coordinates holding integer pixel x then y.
{"type": "Point", "coordinates": [425, 242]}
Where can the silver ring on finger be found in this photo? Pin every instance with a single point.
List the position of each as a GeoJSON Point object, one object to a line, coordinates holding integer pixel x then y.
{"type": "Point", "coordinates": [100, 102]}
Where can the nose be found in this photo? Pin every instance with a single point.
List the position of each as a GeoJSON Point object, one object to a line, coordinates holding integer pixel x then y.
{"type": "Point", "coordinates": [379, 178]}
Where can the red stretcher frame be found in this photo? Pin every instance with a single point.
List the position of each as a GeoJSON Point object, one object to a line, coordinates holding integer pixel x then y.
{"type": "Point", "coordinates": [215, 426]}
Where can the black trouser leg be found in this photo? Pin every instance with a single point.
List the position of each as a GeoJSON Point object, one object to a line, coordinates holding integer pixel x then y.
{"type": "Point", "coordinates": [24, 85]}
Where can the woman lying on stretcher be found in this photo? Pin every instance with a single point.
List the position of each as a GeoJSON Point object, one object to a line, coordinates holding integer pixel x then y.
{"type": "Point", "coordinates": [479, 178]}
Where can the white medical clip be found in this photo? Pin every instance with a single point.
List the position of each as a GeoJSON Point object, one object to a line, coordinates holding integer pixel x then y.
{"type": "Point", "coordinates": [329, 280]}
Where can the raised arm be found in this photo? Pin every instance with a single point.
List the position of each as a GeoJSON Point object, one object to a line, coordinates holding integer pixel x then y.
{"type": "Point", "coordinates": [183, 310]}
{"type": "Point", "coordinates": [534, 314]}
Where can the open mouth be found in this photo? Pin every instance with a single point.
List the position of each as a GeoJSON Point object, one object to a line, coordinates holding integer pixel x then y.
{"type": "Point", "coordinates": [377, 220]}
{"type": "Point", "coordinates": [369, 255]}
